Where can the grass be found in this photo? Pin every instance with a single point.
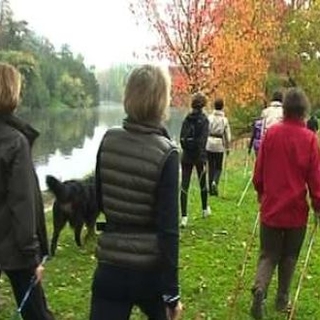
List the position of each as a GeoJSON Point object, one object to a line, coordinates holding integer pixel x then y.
{"type": "Point", "coordinates": [210, 263]}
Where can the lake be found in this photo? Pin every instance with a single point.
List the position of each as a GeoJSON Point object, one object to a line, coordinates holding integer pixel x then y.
{"type": "Point", "coordinates": [69, 138]}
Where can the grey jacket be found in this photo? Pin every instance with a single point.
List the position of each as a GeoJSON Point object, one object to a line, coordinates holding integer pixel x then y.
{"type": "Point", "coordinates": [23, 236]}
{"type": "Point", "coordinates": [129, 165]}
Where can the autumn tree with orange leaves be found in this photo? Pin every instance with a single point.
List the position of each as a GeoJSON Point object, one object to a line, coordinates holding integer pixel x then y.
{"type": "Point", "coordinates": [244, 47]}
{"type": "Point", "coordinates": [218, 46]}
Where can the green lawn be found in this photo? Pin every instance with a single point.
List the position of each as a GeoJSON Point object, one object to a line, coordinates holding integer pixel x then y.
{"type": "Point", "coordinates": [209, 266]}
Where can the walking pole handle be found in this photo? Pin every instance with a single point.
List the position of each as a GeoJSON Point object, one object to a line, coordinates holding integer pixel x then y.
{"type": "Point", "coordinates": [31, 286]}
{"type": "Point", "coordinates": [44, 259]}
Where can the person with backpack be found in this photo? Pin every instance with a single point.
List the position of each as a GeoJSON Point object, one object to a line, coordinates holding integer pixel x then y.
{"type": "Point", "coordinates": [256, 133]}
{"type": "Point", "coordinates": [312, 124]}
{"type": "Point", "coordinates": [218, 143]}
{"type": "Point", "coordinates": [272, 114]}
{"type": "Point", "coordinates": [286, 171]}
{"type": "Point", "coordinates": [193, 139]}
{"type": "Point", "coordinates": [256, 136]}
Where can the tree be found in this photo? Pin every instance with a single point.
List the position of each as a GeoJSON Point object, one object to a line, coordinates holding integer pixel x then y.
{"type": "Point", "coordinates": [298, 4]}
{"type": "Point", "coordinates": [215, 46]}
{"type": "Point", "coordinates": [303, 33]}
{"type": "Point", "coordinates": [185, 31]}
{"type": "Point", "coordinates": [5, 12]}
{"type": "Point", "coordinates": [112, 82]}
{"type": "Point", "coordinates": [11, 32]}
{"type": "Point", "coordinates": [71, 91]}
{"type": "Point", "coordinates": [243, 48]}
{"type": "Point", "coordinates": [43, 69]}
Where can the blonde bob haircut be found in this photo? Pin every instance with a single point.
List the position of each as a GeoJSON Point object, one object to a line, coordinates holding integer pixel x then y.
{"type": "Point", "coordinates": [10, 85]}
{"type": "Point", "coordinates": [147, 94]}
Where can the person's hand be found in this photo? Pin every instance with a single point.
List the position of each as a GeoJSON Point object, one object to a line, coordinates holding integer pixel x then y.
{"type": "Point", "coordinates": [175, 313]}
{"type": "Point", "coordinates": [39, 273]}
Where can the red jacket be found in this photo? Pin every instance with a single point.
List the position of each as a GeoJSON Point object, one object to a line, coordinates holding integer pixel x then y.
{"type": "Point", "coordinates": [288, 164]}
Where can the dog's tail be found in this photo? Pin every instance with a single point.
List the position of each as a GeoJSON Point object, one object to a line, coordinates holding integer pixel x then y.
{"type": "Point", "coordinates": [55, 186]}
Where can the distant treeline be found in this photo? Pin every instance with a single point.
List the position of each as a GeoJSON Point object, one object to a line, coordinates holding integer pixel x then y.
{"type": "Point", "coordinates": [50, 78]}
{"type": "Point", "coordinates": [112, 81]}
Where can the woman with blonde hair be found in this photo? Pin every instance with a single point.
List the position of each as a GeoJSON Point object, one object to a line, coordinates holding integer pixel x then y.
{"type": "Point", "coordinates": [137, 190]}
{"type": "Point", "coordinates": [23, 236]}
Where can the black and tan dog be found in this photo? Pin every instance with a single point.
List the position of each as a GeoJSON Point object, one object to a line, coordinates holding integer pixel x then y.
{"type": "Point", "coordinates": [75, 202]}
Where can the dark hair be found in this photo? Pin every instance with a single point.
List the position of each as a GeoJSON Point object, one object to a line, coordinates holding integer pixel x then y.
{"type": "Point", "coordinates": [296, 104]}
{"type": "Point", "coordinates": [277, 96]}
{"type": "Point", "coordinates": [218, 104]}
{"type": "Point", "coordinates": [199, 100]}
{"type": "Point", "coordinates": [264, 103]}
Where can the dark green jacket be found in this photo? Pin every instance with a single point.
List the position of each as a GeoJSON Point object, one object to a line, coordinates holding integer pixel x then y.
{"type": "Point", "coordinates": [129, 165]}
{"type": "Point", "coordinates": [23, 236]}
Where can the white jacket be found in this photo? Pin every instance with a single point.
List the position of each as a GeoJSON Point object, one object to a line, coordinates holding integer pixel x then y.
{"type": "Point", "coordinates": [215, 144]}
{"type": "Point", "coordinates": [271, 115]}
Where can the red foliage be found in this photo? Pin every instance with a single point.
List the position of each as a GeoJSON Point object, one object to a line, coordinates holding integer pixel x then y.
{"type": "Point", "coordinates": [221, 47]}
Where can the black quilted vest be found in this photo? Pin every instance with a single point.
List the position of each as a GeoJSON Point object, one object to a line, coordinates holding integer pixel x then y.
{"type": "Point", "coordinates": [131, 161]}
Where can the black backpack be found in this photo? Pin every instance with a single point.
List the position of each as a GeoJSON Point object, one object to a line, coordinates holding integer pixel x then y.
{"type": "Point", "coordinates": [190, 136]}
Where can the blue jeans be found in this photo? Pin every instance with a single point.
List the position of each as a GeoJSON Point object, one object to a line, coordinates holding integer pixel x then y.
{"type": "Point", "coordinates": [116, 290]}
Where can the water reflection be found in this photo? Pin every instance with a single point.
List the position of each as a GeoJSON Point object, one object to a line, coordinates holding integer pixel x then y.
{"type": "Point", "coordinates": [60, 130]}
{"type": "Point", "coordinates": [69, 139]}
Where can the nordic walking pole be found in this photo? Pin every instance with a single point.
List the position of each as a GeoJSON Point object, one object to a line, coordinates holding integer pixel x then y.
{"type": "Point", "coordinates": [251, 240]}
{"type": "Point", "coordinates": [225, 174]}
{"type": "Point", "coordinates": [244, 192]}
{"type": "Point", "coordinates": [33, 283]}
{"type": "Point", "coordinates": [243, 269]}
{"type": "Point", "coordinates": [303, 272]}
{"type": "Point", "coordinates": [245, 171]}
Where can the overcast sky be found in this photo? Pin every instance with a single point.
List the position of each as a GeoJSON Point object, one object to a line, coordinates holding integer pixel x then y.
{"type": "Point", "coordinates": [104, 31]}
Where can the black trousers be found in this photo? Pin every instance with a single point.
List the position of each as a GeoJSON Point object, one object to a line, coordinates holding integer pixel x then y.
{"type": "Point", "coordinates": [185, 183]}
{"type": "Point", "coordinates": [116, 290]}
{"type": "Point", "coordinates": [36, 306]}
{"type": "Point", "coordinates": [279, 247]}
{"type": "Point", "coordinates": [215, 163]}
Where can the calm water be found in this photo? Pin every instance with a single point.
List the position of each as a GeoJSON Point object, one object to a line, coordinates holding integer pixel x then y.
{"type": "Point", "coordinates": [69, 139]}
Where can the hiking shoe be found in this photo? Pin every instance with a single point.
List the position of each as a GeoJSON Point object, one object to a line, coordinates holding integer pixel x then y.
{"type": "Point", "coordinates": [257, 304]}
{"type": "Point", "coordinates": [282, 303]}
{"type": "Point", "coordinates": [214, 189]}
{"type": "Point", "coordinates": [206, 212]}
{"type": "Point", "coordinates": [184, 221]}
